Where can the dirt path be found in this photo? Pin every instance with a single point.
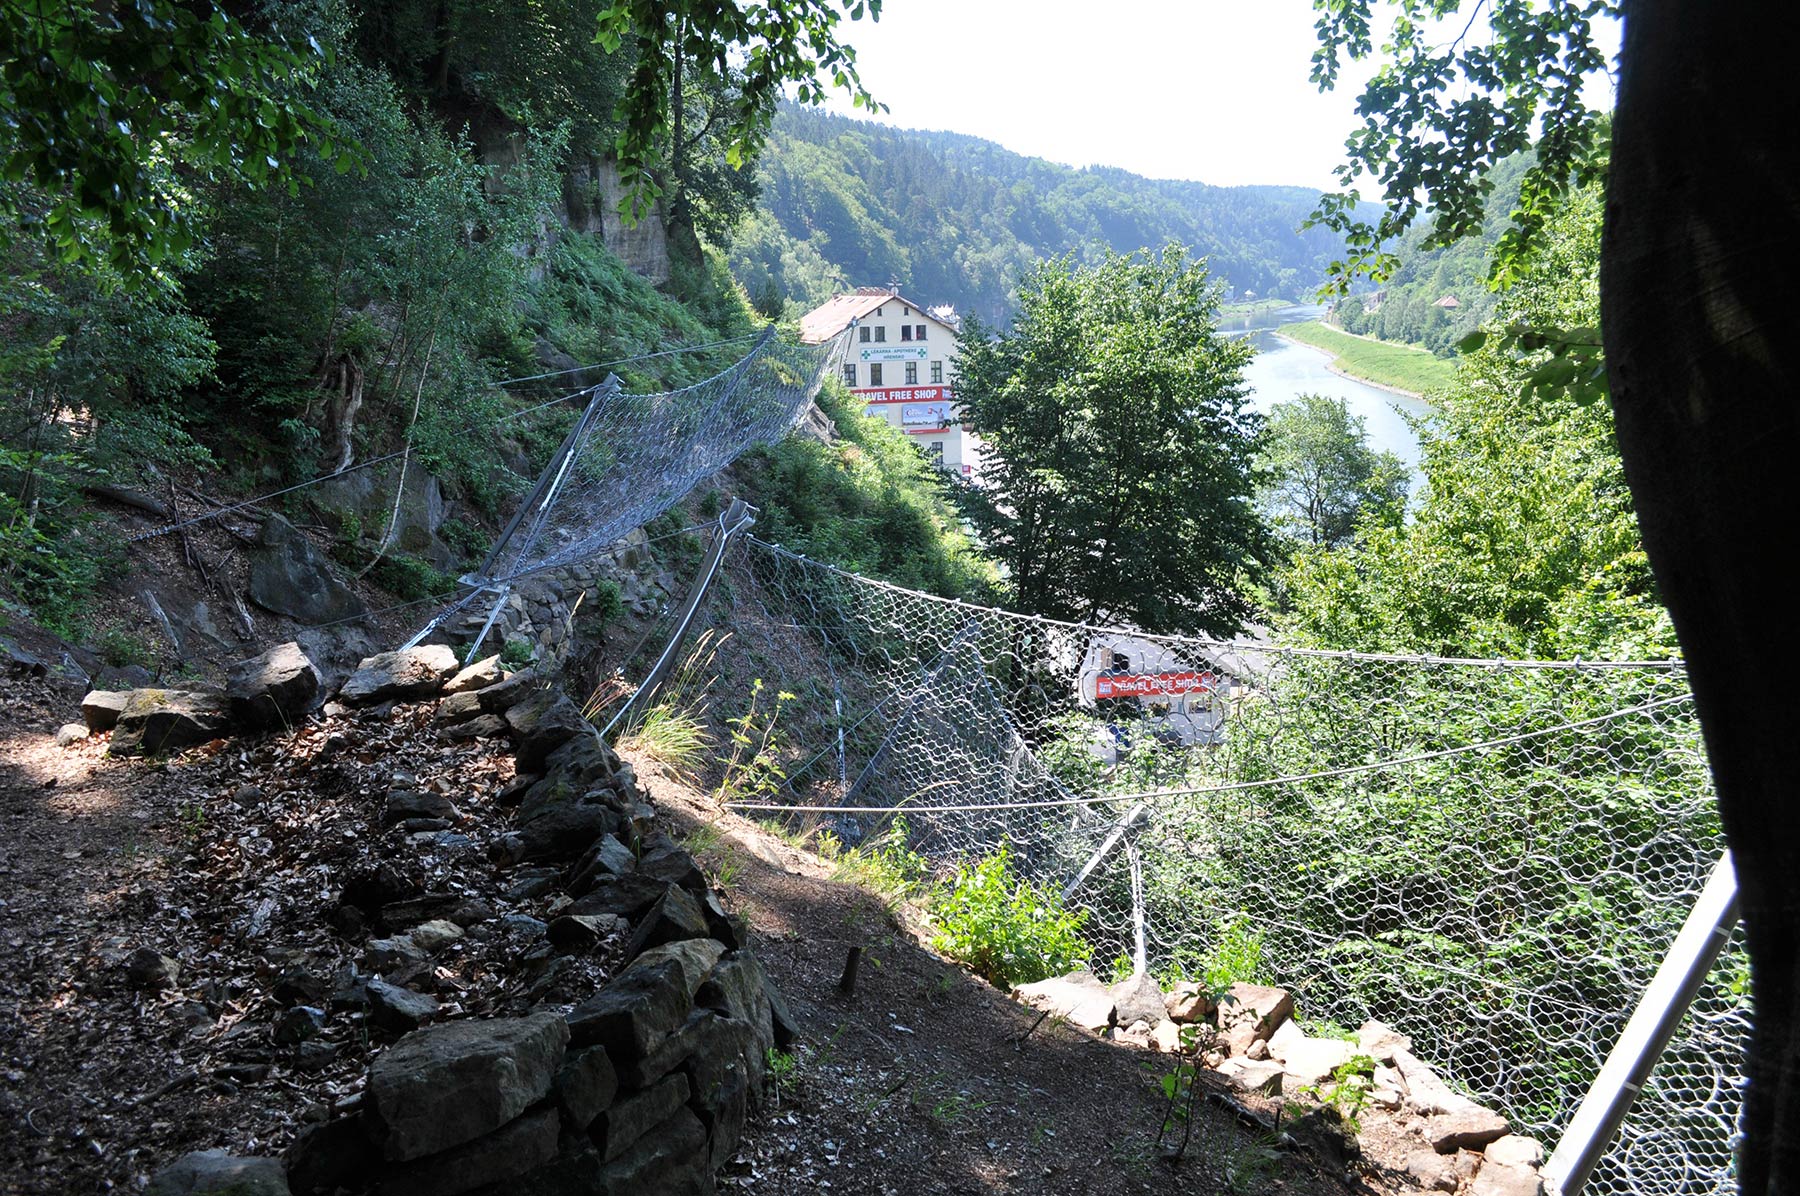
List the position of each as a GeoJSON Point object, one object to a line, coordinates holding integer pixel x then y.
{"type": "Point", "coordinates": [929, 1080]}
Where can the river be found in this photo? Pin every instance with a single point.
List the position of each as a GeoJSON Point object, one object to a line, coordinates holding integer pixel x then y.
{"type": "Point", "coordinates": [1283, 369]}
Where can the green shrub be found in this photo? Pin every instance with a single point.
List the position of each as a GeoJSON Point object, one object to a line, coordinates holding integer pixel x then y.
{"type": "Point", "coordinates": [884, 864]}
{"type": "Point", "coordinates": [411, 579]}
{"type": "Point", "coordinates": [1006, 928]}
{"type": "Point", "coordinates": [470, 540]}
{"type": "Point", "coordinates": [517, 653]}
{"type": "Point", "coordinates": [1236, 957]}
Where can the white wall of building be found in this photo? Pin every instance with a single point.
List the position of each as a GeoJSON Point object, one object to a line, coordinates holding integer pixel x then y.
{"type": "Point", "coordinates": [902, 363]}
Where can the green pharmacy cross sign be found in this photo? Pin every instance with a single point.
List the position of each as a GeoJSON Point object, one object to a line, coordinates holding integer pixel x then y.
{"type": "Point", "coordinates": [895, 353]}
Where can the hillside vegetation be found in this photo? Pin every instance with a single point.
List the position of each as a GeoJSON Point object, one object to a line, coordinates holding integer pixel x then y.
{"type": "Point", "coordinates": [1406, 307]}
{"type": "Point", "coordinates": [956, 219]}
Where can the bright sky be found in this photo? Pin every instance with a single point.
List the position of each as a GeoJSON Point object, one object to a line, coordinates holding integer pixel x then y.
{"type": "Point", "coordinates": [1214, 90]}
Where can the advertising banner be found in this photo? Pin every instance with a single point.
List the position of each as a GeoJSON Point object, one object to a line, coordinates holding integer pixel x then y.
{"type": "Point", "coordinates": [904, 394]}
{"type": "Point", "coordinates": [934, 415]}
{"type": "Point", "coordinates": [1153, 685]}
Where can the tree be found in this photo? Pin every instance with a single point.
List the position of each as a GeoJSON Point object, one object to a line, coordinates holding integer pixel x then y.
{"type": "Point", "coordinates": [111, 112]}
{"type": "Point", "coordinates": [1700, 250]}
{"type": "Point", "coordinates": [1119, 479]}
{"type": "Point", "coordinates": [1323, 478]}
{"type": "Point", "coordinates": [1525, 542]}
{"type": "Point", "coordinates": [746, 55]}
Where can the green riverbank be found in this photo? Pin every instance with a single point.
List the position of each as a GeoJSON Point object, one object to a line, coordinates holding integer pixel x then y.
{"type": "Point", "coordinates": [1397, 367]}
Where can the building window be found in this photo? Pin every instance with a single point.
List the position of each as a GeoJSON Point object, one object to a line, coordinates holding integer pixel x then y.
{"type": "Point", "coordinates": [906, 311]}
{"type": "Point", "coordinates": [919, 332]}
{"type": "Point", "coordinates": [935, 450]}
{"type": "Point", "coordinates": [875, 373]}
{"type": "Point", "coordinates": [881, 332]}
{"type": "Point", "coordinates": [912, 373]}
{"type": "Point", "coordinates": [937, 373]}
{"type": "Point", "coordinates": [906, 332]}
{"type": "Point", "coordinates": [862, 334]}
{"type": "Point", "coordinates": [850, 374]}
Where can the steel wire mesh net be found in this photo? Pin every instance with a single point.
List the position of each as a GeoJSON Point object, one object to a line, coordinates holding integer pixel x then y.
{"type": "Point", "coordinates": [633, 456]}
{"type": "Point", "coordinates": [1493, 857]}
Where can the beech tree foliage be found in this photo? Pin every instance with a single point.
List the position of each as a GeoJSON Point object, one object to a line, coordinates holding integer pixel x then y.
{"type": "Point", "coordinates": [114, 112]}
{"type": "Point", "coordinates": [753, 49]}
{"type": "Point", "coordinates": [1120, 482]}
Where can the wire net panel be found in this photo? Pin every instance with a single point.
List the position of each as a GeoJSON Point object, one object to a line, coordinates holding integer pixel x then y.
{"type": "Point", "coordinates": [1493, 857]}
{"type": "Point", "coordinates": [631, 457]}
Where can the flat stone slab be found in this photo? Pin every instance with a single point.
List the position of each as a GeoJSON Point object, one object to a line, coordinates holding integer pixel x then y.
{"type": "Point", "coordinates": [451, 1084]}
{"type": "Point", "coordinates": [1470, 1128]}
{"type": "Point", "coordinates": [1078, 998]}
{"type": "Point", "coordinates": [408, 674]}
{"type": "Point", "coordinates": [1312, 1060]}
{"type": "Point", "coordinates": [215, 1173]}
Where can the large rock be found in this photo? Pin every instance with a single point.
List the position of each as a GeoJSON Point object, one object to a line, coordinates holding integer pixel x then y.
{"type": "Point", "coordinates": [606, 858]}
{"type": "Point", "coordinates": [543, 723]}
{"type": "Point", "coordinates": [274, 689]}
{"type": "Point", "coordinates": [480, 675]}
{"type": "Point", "coordinates": [670, 1160]}
{"type": "Point", "coordinates": [1079, 998]}
{"type": "Point", "coordinates": [1381, 1042]}
{"type": "Point", "coordinates": [739, 987]}
{"type": "Point", "coordinates": [1515, 1150]}
{"type": "Point", "coordinates": [514, 1148]}
{"type": "Point", "coordinates": [397, 1008]}
{"type": "Point", "coordinates": [166, 720]}
{"type": "Point", "coordinates": [1312, 1060]}
{"type": "Point", "coordinates": [674, 918]}
{"type": "Point", "coordinates": [215, 1173]}
{"type": "Point", "coordinates": [631, 1118]}
{"type": "Point", "coordinates": [453, 1083]}
{"type": "Point", "coordinates": [1500, 1179]}
{"type": "Point", "coordinates": [630, 897]}
{"type": "Point", "coordinates": [1468, 1128]}
{"type": "Point", "coordinates": [291, 577]}
{"type": "Point", "coordinates": [1137, 999]}
{"type": "Point", "coordinates": [1253, 1075]}
{"type": "Point", "coordinates": [586, 1086]}
{"type": "Point", "coordinates": [502, 696]}
{"type": "Point", "coordinates": [635, 1011]}
{"type": "Point", "coordinates": [1250, 1012]}
{"type": "Point", "coordinates": [566, 832]}
{"type": "Point", "coordinates": [331, 1155]}
{"type": "Point", "coordinates": [1425, 1092]}
{"type": "Point", "coordinates": [101, 709]}
{"type": "Point", "coordinates": [406, 675]}
{"type": "Point", "coordinates": [1188, 1002]}
{"type": "Point", "coordinates": [696, 957]}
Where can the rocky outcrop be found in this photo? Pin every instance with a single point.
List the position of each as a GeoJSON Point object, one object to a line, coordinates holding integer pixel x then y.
{"type": "Point", "coordinates": [291, 577]}
{"type": "Point", "coordinates": [275, 689]}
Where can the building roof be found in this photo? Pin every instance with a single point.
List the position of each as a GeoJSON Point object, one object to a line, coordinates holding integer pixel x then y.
{"type": "Point", "coordinates": [1448, 301]}
{"type": "Point", "coordinates": [834, 315]}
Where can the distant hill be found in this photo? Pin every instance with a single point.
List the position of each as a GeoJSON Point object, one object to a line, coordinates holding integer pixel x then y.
{"type": "Point", "coordinates": [1412, 307]}
{"type": "Point", "coordinates": [956, 219]}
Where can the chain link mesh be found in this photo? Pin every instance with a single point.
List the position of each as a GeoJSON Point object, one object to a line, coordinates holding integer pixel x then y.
{"type": "Point", "coordinates": [1492, 856]}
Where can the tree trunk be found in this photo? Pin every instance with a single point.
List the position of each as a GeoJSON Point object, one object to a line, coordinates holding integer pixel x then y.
{"type": "Point", "coordinates": [1698, 268]}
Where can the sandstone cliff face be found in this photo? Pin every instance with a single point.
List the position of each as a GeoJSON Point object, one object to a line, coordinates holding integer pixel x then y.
{"type": "Point", "coordinates": [592, 191]}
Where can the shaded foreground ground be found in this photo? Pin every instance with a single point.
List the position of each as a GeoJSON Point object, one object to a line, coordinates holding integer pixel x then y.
{"type": "Point", "coordinates": [926, 1081]}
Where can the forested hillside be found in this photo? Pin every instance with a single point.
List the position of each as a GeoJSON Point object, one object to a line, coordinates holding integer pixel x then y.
{"type": "Point", "coordinates": [1407, 307]}
{"type": "Point", "coordinates": [955, 219]}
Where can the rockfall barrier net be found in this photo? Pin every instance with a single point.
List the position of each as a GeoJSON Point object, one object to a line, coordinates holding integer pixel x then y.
{"type": "Point", "coordinates": [1492, 856]}
{"type": "Point", "coordinates": [630, 457]}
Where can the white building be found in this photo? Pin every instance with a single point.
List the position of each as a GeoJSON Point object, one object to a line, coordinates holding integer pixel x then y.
{"type": "Point", "coordinates": [902, 364]}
